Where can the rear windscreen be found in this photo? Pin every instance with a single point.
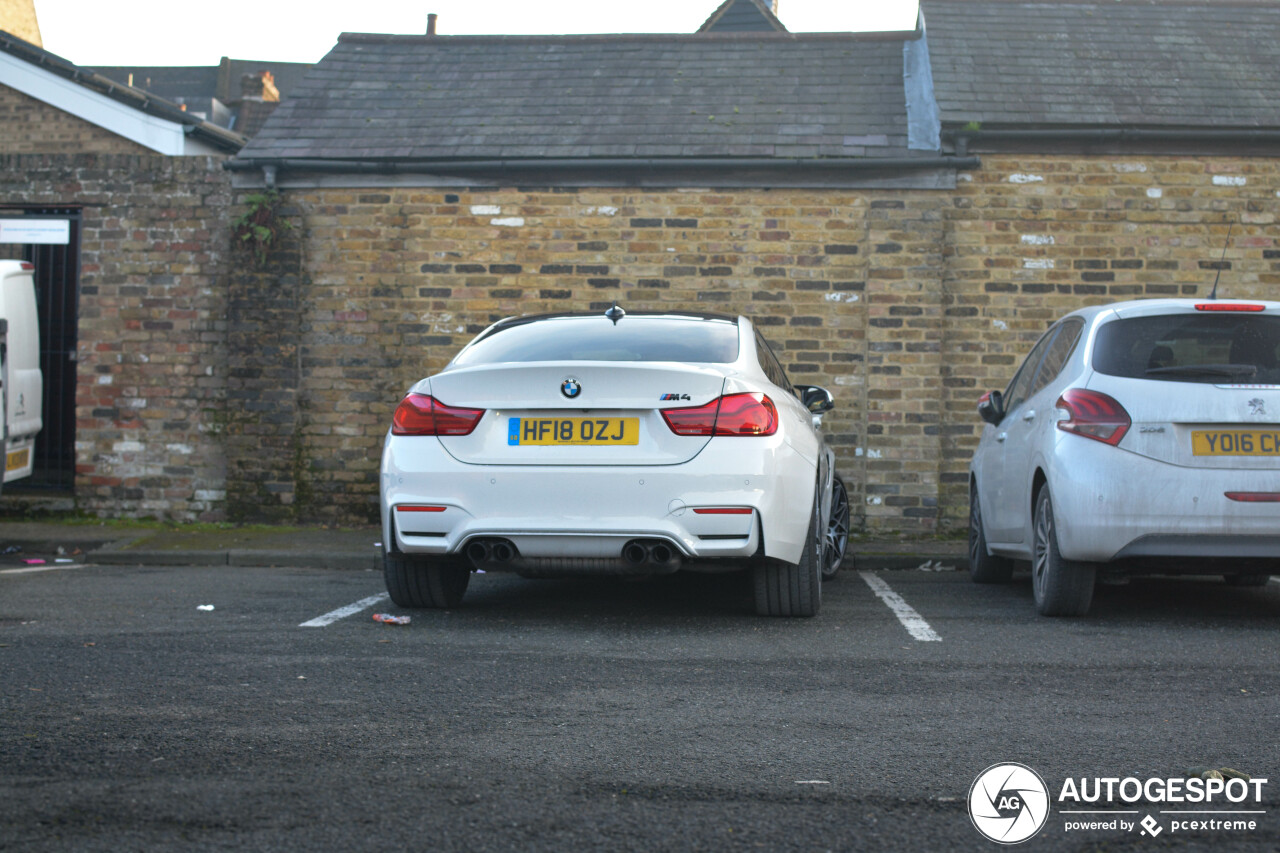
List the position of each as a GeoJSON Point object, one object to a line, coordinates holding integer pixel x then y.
{"type": "Point", "coordinates": [1220, 348]}
{"type": "Point", "coordinates": [599, 339]}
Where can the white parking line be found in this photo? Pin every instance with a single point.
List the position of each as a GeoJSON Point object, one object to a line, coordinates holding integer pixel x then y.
{"type": "Point", "coordinates": [910, 619]}
{"type": "Point", "coordinates": [343, 612]}
{"type": "Point", "coordinates": [50, 568]}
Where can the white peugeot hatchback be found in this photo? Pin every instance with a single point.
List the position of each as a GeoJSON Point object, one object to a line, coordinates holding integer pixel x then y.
{"type": "Point", "coordinates": [612, 444]}
{"type": "Point", "coordinates": [1138, 437]}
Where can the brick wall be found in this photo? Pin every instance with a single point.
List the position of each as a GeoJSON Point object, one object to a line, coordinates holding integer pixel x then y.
{"type": "Point", "coordinates": [31, 126]}
{"type": "Point", "coordinates": [394, 283]}
{"type": "Point", "coordinates": [906, 304]}
{"type": "Point", "coordinates": [212, 388]}
{"type": "Point", "coordinates": [151, 369]}
{"type": "Point", "coordinates": [1031, 238]}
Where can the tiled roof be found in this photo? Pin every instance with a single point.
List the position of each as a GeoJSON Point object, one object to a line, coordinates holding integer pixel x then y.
{"type": "Point", "coordinates": [650, 96]}
{"type": "Point", "coordinates": [1106, 63]}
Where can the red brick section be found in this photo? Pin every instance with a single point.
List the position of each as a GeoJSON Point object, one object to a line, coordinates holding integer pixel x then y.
{"type": "Point", "coordinates": [32, 126]}
{"type": "Point", "coordinates": [151, 362]}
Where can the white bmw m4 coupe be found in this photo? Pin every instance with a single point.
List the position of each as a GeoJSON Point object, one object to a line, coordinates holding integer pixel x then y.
{"type": "Point", "coordinates": [612, 444]}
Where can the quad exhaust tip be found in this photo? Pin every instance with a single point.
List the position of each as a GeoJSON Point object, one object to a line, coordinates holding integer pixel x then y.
{"type": "Point", "coordinates": [638, 555]}
{"type": "Point", "coordinates": [641, 552]}
{"type": "Point", "coordinates": [486, 552]}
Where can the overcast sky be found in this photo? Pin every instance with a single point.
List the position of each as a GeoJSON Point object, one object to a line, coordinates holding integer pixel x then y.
{"type": "Point", "coordinates": [181, 32]}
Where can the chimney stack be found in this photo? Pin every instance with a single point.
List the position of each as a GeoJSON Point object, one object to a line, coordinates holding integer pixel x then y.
{"type": "Point", "coordinates": [431, 23]}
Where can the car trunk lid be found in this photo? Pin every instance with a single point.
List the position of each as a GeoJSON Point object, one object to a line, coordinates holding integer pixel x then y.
{"type": "Point", "coordinates": [587, 413]}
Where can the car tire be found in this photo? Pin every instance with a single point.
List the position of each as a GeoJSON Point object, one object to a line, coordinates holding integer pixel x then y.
{"type": "Point", "coordinates": [984, 567]}
{"type": "Point", "coordinates": [1246, 580]}
{"type": "Point", "coordinates": [1062, 587]}
{"type": "Point", "coordinates": [419, 582]}
{"type": "Point", "coordinates": [837, 538]}
{"type": "Point", "coordinates": [792, 589]}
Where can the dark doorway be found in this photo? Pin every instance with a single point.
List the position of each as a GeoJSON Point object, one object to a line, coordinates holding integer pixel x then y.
{"type": "Point", "coordinates": [57, 279]}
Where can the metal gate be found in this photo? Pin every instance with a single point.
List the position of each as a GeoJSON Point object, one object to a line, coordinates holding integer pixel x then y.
{"type": "Point", "coordinates": [57, 280]}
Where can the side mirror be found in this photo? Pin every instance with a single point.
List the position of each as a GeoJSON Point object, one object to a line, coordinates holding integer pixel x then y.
{"type": "Point", "coordinates": [991, 407]}
{"type": "Point", "coordinates": [816, 399]}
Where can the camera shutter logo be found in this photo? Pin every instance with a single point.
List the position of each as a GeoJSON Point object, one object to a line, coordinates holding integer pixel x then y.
{"type": "Point", "coordinates": [1008, 803]}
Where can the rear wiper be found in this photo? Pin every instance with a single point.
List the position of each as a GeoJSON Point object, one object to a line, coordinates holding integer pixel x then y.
{"type": "Point", "coordinates": [1230, 370]}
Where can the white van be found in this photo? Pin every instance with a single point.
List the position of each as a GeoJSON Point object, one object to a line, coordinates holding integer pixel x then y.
{"type": "Point", "coordinates": [21, 382]}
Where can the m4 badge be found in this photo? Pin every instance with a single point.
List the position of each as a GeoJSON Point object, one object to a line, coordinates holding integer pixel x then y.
{"type": "Point", "coordinates": [666, 397]}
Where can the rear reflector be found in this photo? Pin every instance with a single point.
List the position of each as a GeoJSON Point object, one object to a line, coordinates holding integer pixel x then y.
{"type": "Point", "coordinates": [28, 267]}
{"type": "Point", "coordinates": [722, 510]}
{"type": "Point", "coordinates": [419, 414]}
{"type": "Point", "coordinates": [420, 509]}
{"type": "Point", "coordinates": [1254, 497]}
{"type": "Point", "coordinates": [1093, 414]}
{"type": "Point", "coordinates": [733, 414]}
{"type": "Point", "coordinates": [1229, 306]}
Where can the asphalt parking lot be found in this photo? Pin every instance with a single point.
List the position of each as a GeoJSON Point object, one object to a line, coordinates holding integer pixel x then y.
{"type": "Point", "coordinates": [549, 715]}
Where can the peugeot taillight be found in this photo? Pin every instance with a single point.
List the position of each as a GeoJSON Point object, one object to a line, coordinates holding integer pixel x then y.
{"type": "Point", "coordinates": [419, 414]}
{"type": "Point", "coordinates": [733, 414]}
{"type": "Point", "coordinates": [1093, 414]}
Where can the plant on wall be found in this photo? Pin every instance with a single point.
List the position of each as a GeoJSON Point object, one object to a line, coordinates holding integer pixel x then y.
{"type": "Point", "coordinates": [260, 227]}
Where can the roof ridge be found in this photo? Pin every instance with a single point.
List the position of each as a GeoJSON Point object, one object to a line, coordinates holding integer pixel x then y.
{"type": "Point", "coordinates": [589, 38]}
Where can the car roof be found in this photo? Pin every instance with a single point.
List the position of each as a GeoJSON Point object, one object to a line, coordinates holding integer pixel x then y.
{"type": "Point", "coordinates": [1147, 307]}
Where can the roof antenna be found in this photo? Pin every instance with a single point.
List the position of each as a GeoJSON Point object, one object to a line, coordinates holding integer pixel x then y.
{"type": "Point", "coordinates": [1213, 294]}
{"type": "Point", "coordinates": [615, 313]}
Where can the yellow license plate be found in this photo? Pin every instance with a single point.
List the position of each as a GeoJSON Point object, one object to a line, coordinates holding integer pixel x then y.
{"type": "Point", "coordinates": [16, 459]}
{"type": "Point", "coordinates": [567, 431]}
{"type": "Point", "coordinates": [1236, 442]}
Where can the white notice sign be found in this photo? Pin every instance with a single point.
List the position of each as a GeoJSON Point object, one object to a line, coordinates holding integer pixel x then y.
{"type": "Point", "coordinates": [56, 231]}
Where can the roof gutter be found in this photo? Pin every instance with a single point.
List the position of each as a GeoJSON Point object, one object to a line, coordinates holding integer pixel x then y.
{"type": "Point", "coordinates": [272, 166]}
{"type": "Point", "coordinates": [962, 139]}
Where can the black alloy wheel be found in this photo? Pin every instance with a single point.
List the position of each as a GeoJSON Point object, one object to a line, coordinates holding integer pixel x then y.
{"type": "Point", "coordinates": [837, 539]}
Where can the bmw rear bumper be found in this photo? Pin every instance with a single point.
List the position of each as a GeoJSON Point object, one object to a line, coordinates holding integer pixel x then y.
{"type": "Point", "coordinates": [433, 504]}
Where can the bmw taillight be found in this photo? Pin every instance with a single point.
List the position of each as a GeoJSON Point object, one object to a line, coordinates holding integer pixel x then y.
{"type": "Point", "coordinates": [733, 414]}
{"type": "Point", "coordinates": [1093, 414]}
{"type": "Point", "coordinates": [419, 414]}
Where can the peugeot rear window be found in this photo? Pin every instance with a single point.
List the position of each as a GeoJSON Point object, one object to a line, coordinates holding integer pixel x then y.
{"type": "Point", "coordinates": [600, 339]}
{"type": "Point", "coordinates": [1220, 348]}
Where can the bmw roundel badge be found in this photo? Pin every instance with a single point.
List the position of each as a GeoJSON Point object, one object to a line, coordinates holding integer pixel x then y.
{"type": "Point", "coordinates": [571, 388]}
